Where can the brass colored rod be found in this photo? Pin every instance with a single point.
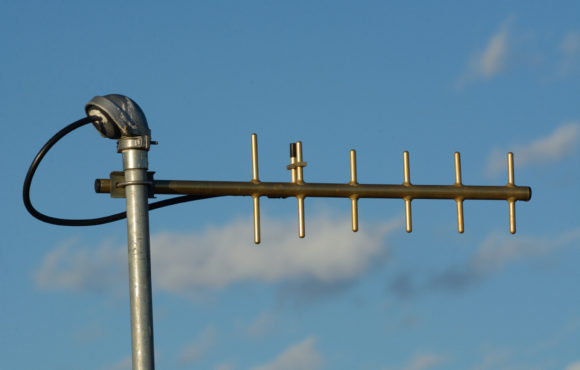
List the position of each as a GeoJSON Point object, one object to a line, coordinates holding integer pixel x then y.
{"type": "Point", "coordinates": [459, 200]}
{"type": "Point", "coordinates": [407, 183]}
{"type": "Point", "coordinates": [406, 170]}
{"type": "Point", "coordinates": [354, 213]}
{"type": "Point", "coordinates": [301, 223]}
{"type": "Point", "coordinates": [333, 190]}
{"type": "Point", "coordinates": [512, 207]}
{"type": "Point", "coordinates": [457, 158]}
{"type": "Point", "coordinates": [353, 167]}
{"type": "Point", "coordinates": [255, 177]}
{"type": "Point", "coordinates": [510, 161]}
{"type": "Point", "coordinates": [512, 203]}
{"type": "Point", "coordinates": [408, 216]}
{"type": "Point", "coordinates": [353, 199]}
{"type": "Point", "coordinates": [255, 180]}
{"type": "Point", "coordinates": [299, 173]}
{"type": "Point", "coordinates": [460, 227]}
{"type": "Point", "coordinates": [300, 197]}
{"type": "Point", "coordinates": [256, 203]}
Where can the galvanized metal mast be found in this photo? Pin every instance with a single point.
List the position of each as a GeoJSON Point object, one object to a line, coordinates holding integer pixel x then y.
{"type": "Point", "coordinates": [119, 117]}
{"type": "Point", "coordinates": [136, 190]}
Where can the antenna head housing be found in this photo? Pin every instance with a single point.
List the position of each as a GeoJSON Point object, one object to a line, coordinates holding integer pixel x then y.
{"type": "Point", "coordinates": [119, 116]}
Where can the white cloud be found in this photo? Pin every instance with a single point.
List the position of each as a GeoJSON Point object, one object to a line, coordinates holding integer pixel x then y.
{"type": "Point", "coordinates": [220, 257]}
{"type": "Point", "coordinates": [561, 335]}
{"type": "Point", "coordinates": [570, 48]}
{"type": "Point", "coordinates": [571, 43]}
{"type": "Point", "coordinates": [186, 263]}
{"type": "Point", "coordinates": [574, 366]}
{"type": "Point", "coordinates": [424, 361]}
{"type": "Point", "coordinates": [494, 358]}
{"type": "Point", "coordinates": [534, 356]}
{"type": "Point", "coordinates": [495, 252]}
{"type": "Point", "coordinates": [498, 250]}
{"type": "Point", "coordinates": [225, 366]}
{"type": "Point", "coordinates": [300, 356]}
{"type": "Point", "coordinates": [71, 266]}
{"type": "Point", "coordinates": [89, 333]}
{"type": "Point", "coordinates": [198, 347]}
{"type": "Point", "coordinates": [123, 364]}
{"type": "Point", "coordinates": [262, 325]}
{"type": "Point", "coordinates": [562, 142]}
{"type": "Point", "coordinates": [492, 60]}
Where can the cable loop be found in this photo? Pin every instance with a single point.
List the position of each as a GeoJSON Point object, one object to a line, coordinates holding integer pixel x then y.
{"type": "Point", "coordinates": [88, 221]}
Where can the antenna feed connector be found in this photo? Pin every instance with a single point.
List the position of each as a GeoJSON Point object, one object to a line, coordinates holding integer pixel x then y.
{"type": "Point", "coordinates": [296, 164]}
{"type": "Point", "coordinates": [118, 116]}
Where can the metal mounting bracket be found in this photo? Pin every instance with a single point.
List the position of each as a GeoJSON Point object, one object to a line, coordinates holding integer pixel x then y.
{"type": "Point", "coordinates": [118, 184]}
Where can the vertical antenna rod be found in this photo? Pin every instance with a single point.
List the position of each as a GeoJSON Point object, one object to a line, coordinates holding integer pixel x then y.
{"type": "Point", "coordinates": [300, 180]}
{"type": "Point", "coordinates": [292, 165]}
{"type": "Point", "coordinates": [255, 197]}
{"type": "Point", "coordinates": [511, 202]}
{"type": "Point", "coordinates": [459, 200]}
{"type": "Point", "coordinates": [353, 198]}
{"type": "Point", "coordinates": [407, 182]}
{"type": "Point", "coordinates": [296, 175]}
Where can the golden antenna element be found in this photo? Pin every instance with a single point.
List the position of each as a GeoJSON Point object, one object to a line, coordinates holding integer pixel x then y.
{"type": "Point", "coordinates": [459, 200]}
{"type": "Point", "coordinates": [511, 201]}
{"type": "Point", "coordinates": [407, 199]}
{"type": "Point", "coordinates": [255, 197]}
{"type": "Point", "coordinates": [299, 180]}
{"type": "Point", "coordinates": [353, 198]}
{"type": "Point", "coordinates": [352, 190]}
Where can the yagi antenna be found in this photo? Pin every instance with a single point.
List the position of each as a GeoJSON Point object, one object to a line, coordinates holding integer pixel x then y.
{"type": "Point", "coordinates": [119, 117]}
{"type": "Point", "coordinates": [353, 190]}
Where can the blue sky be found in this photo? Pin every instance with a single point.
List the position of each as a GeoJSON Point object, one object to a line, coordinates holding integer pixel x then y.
{"type": "Point", "coordinates": [431, 78]}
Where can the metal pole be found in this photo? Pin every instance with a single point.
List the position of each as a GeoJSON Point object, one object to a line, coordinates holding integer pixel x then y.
{"type": "Point", "coordinates": [135, 165]}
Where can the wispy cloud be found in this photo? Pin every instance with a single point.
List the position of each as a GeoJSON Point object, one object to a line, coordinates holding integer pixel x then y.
{"type": "Point", "coordinates": [507, 49]}
{"type": "Point", "coordinates": [331, 253]}
{"type": "Point", "coordinates": [225, 366]}
{"type": "Point", "coordinates": [532, 356]}
{"type": "Point", "coordinates": [561, 335]}
{"type": "Point", "coordinates": [123, 364]}
{"type": "Point", "coordinates": [560, 143]}
{"type": "Point", "coordinates": [494, 358]}
{"type": "Point", "coordinates": [263, 324]}
{"type": "Point", "coordinates": [423, 361]}
{"type": "Point", "coordinates": [573, 366]}
{"type": "Point", "coordinates": [492, 256]}
{"type": "Point", "coordinates": [187, 263]}
{"type": "Point", "coordinates": [76, 267]}
{"type": "Point", "coordinates": [199, 346]}
{"type": "Point", "coordinates": [89, 333]}
{"type": "Point", "coordinates": [506, 357]}
{"type": "Point", "coordinates": [570, 49]}
{"type": "Point", "coordinates": [490, 61]}
{"type": "Point", "coordinates": [302, 355]}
